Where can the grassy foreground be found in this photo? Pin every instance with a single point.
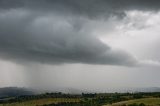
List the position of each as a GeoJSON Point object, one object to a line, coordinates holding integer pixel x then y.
{"type": "Point", "coordinates": [40, 102]}
{"type": "Point", "coordinates": [146, 101]}
{"type": "Point", "coordinates": [84, 99]}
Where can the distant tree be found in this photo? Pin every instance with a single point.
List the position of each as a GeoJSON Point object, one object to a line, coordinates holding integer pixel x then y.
{"type": "Point", "coordinates": [137, 96]}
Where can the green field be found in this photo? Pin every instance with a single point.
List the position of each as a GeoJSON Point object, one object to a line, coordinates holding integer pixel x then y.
{"type": "Point", "coordinates": [146, 101]}
{"type": "Point", "coordinates": [88, 99]}
{"type": "Point", "coordinates": [42, 102]}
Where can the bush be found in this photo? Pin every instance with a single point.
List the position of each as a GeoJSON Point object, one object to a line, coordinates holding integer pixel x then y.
{"type": "Point", "coordinates": [142, 104]}
{"type": "Point", "coordinates": [123, 105]}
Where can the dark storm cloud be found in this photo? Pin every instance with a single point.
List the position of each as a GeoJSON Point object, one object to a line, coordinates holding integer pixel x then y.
{"type": "Point", "coordinates": [55, 31]}
{"type": "Point", "coordinates": [90, 8]}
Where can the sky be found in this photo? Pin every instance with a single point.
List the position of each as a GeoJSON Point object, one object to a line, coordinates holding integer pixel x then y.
{"type": "Point", "coordinates": [93, 45]}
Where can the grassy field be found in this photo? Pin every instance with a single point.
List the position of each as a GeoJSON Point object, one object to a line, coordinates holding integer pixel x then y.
{"type": "Point", "coordinates": [146, 101]}
{"type": "Point", "coordinates": [88, 99]}
{"type": "Point", "coordinates": [42, 102]}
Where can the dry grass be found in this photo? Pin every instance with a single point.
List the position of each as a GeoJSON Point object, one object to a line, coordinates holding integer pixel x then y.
{"type": "Point", "coordinates": [42, 101]}
{"type": "Point", "coordinates": [146, 101]}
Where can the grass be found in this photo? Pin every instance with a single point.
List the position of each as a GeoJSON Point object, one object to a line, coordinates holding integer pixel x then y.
{"type": "Point", "coordinates": [38, 102]}
{"type": "Point", "coordinates": [42, 102]}
{"type": "Point", "coordinates": [146, 101]}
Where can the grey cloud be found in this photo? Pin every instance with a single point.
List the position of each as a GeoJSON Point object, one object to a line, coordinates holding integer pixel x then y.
{"type": "Point", "coordinates": [89, 8]}
{"type": "Point", "coordinates": [53, 38]}
{"type": "Point", "coordinates": [63, 32]}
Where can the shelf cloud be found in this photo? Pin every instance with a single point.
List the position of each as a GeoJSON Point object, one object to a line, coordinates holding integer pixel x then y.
{"type": "Point", "coordinates": [60, 31]}
{"type": "Point", "coordinates": [100, 36]}
{"type": "Point", "coordinates": [53, 37]}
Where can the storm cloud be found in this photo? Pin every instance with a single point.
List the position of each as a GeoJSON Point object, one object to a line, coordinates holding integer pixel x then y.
{"type": "Point", "coordinates": [63, 31]}
{"type": "Point", "coordinates": [82, 44]}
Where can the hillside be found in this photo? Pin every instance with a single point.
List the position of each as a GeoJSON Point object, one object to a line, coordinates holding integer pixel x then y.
{"type": "Point", "coordinates": [146, 101]}
{"type": "Point", "coordinates": [14, 91]}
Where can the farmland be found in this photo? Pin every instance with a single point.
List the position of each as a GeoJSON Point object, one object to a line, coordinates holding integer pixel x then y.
{"type": "Point", "coordinates": [88, 99]}
{"type": "Point", "coordinates": [136, 102]}
{"type": "Point", "coordinates": [41, 102]}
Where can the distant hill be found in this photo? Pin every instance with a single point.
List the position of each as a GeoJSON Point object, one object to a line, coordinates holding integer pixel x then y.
{"type": "Point", "coordinates": [149, 89]}
{"type": "Point", "coordinates": [14, 91]}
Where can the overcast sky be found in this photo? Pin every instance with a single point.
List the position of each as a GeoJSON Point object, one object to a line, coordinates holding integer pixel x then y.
{"type": "Point", "coordinates": [94, 45]}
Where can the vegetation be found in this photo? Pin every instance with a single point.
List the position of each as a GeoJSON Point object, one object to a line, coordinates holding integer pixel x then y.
{"type": "Point", "coordinates": [139, 102]}
{"type": "Point", "coordinates": [84, 99]}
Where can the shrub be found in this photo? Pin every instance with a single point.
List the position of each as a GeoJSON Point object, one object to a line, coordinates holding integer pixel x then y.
{"type": "Point", "coordinates": [142, 104]}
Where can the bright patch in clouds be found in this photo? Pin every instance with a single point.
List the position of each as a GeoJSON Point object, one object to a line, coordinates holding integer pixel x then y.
{"type": "Point", "coordinates": [137, 33]}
